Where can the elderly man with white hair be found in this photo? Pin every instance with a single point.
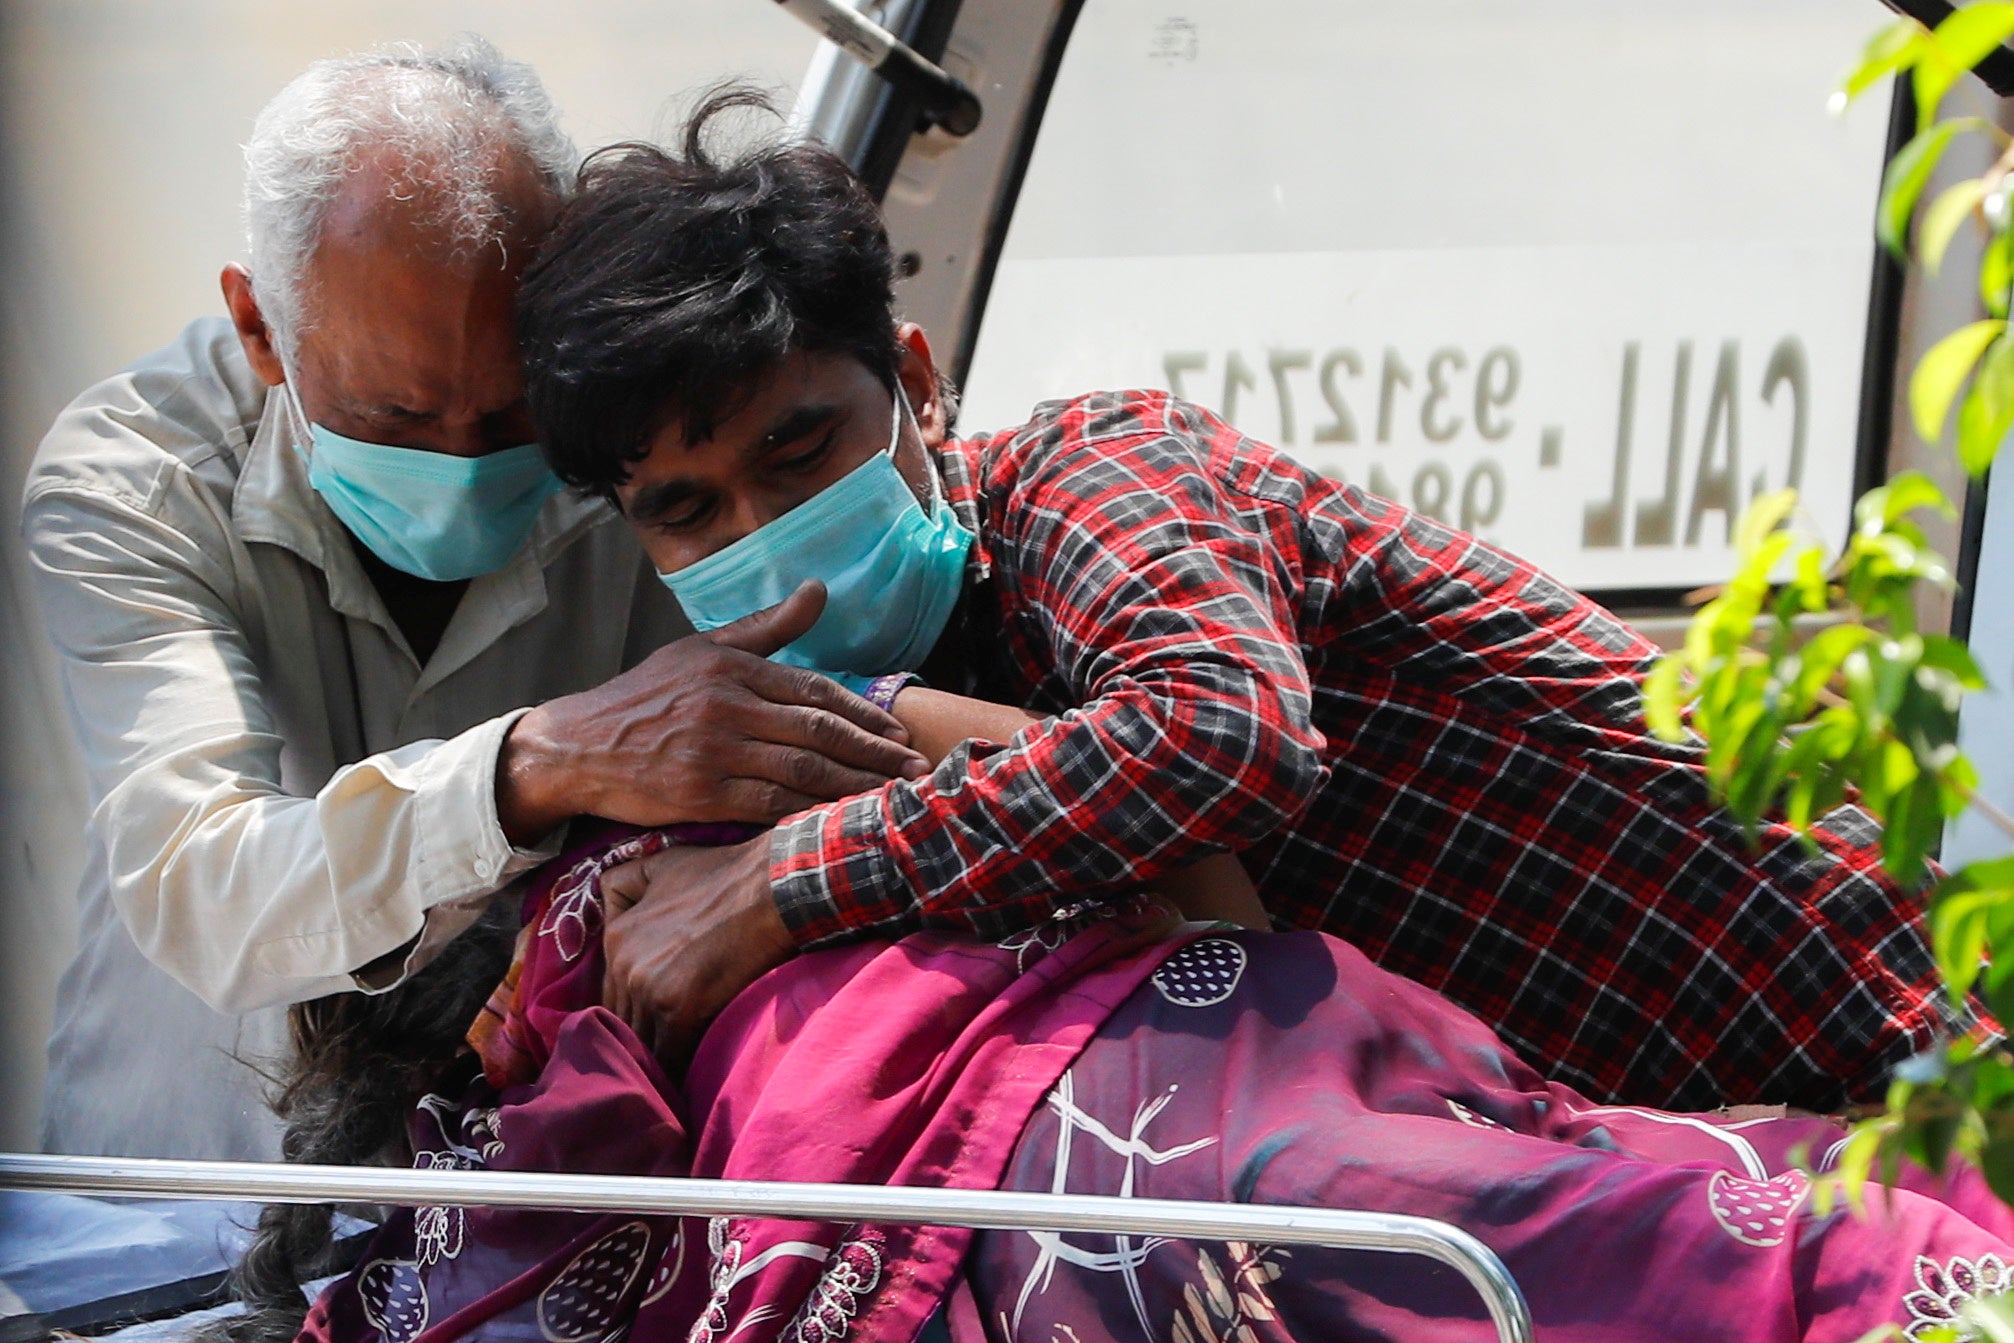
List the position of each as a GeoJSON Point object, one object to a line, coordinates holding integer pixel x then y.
{"type": "Point", "coordinates": [339, 651]}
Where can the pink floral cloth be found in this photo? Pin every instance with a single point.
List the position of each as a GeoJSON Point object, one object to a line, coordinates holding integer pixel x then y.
{"type": "Point", "coordinates": [916, 1063]}
{"type": "Point", "coordinates": [1112, 1054]}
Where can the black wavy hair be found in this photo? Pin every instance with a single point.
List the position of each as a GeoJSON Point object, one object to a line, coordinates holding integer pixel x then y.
{"type": "Point", "coordinates": [358, 1065]}
{"type": "Point", "coordinates": [673, 282]}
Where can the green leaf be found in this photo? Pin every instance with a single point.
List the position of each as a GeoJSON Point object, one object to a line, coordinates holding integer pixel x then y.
{"type": "Point", "coordinates": [1889, 50]}
{"type": "Point", "coordinates": [1958, 935]}
{"type": "Point", "coordinates": [1931, 1126]}
{"type": "Point", "coordinates": [1996, 272]}
{"type": "Point", "coordinates": [1996, 1163]}
{"type": "Point", "coordinates": [1816, 785]}
{"type": "Point", "coordinates": [1999, 995]}
{"type": "Point", "coordinates": [1947, 654]}
{"type": "Point", "coordinates": [1999, 982]}
{"type": "Point", "coordinates": [1661, 699]}
{"type": "Point", "coordinates": [1761, 518]}
{"type": "Point", "coordinates": [1958, 781]}
{"type": "Point", "coordinates": [1941, 372]}
{"type": "Point", "coordinates": [1930, 79]}
{"type": "Point", "coordinates": [1856, 1162]}
{"type": "Point", "coordinates": [1959, 43]}
{"type": "Point", "coordinates": [1988, 409]}
{"type": "Point", "coordinates": [1991, 1318]}
{"type": "Point", "coordinates": [1812, 592]}
{"type": "Point", "coordinates": [1820, 659]}
{"type": "Point", "coordinates": [1758, 768]}
{"type": "Point", "coordinates": [1858, 671]}
{"type": "Point", "coordinates": [1995, 1082]}
{"type": "Point", "coordinates": [1996, 1156]}
{"type": "Point", "coordinates": [1908, 173]}
{"type": "Point", "coordinates": [1725, 744]}
{"type": "Point", "coordinates": [1988, 874]}
{"type": "Point", "coordinates": [1895, 661]}
{"type": "Point", "coordinates": [1968, 35]}
{"type": "Point", "coordinates": [1941, 220]}
{"type": "Point", "coordinates": [1926, 719]}
{"type": "Point", "coordinates": [1907, 490]}
{"type": "Point", "coordinates": [1914, 824]}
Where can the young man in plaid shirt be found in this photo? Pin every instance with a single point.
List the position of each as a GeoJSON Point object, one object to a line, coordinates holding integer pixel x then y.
{"type": "Point", "coordinates": [1412, 740]}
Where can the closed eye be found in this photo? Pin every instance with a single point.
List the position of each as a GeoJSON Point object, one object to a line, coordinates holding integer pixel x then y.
{"type": "Point", "coordinates": [671, 505]}
{"type": "Point", "coordinates": [808, 461]}
{"type": "Point", "coordinates": [684, 515]}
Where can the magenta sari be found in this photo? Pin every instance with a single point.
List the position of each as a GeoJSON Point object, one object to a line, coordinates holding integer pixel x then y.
{"type": "Point", "coordinates": [1113, 1054]}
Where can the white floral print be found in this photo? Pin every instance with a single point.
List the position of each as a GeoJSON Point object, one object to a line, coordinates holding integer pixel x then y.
{"type": "Point", "coordinates": [1943, 1289]}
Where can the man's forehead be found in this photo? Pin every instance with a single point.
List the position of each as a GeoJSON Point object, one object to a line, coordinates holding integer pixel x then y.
{"type": "Point", "coordinates": [758, 404]}
{"type": "Point", "coordinates": [396, 319]}
{"type": "Point", "coordinates": [395, 201]}
{"type": "Point", "coordinates": [402, 338]}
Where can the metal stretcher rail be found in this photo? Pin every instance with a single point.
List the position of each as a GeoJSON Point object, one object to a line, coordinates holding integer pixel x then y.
{"type": "Point", "coordinates": [268, 1182]}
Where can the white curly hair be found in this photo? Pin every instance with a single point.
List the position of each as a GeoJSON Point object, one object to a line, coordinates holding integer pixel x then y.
{"type": "Point", "coordinates": [450, 117]}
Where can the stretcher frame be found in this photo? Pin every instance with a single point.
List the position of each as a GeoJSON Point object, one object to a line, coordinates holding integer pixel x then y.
{"type": "Point", "coordinates": [269, 1182]}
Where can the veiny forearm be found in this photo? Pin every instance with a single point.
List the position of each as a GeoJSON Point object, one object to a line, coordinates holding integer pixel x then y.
{"type": "Point", "coordinates": [537, 784]}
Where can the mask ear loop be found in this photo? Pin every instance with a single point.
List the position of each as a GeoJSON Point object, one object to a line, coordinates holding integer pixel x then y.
{"type": "Point", "coordinates": [304, 428]}
{"type": "Point", "coordinates": [904, 410]}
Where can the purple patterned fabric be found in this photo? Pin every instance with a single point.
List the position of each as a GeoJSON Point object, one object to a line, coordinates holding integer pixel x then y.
{"type": "Point", "coordinates": [1115, 1055]}
{"type": "Point", "coordinates": [1286, 1068]}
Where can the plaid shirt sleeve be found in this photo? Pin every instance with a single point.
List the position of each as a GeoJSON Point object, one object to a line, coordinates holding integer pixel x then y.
{"type": "Point", "coordinates": [1170, 625]}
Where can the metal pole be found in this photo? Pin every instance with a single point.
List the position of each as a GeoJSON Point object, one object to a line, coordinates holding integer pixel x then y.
{"type": "Point", "coordinates": [269, 1182]}
{"type": "Point", "coordinates": [947, 100]}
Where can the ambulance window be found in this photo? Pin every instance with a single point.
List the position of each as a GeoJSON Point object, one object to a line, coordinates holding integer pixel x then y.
{"type": "Point", "coordinates": [1581, 276]}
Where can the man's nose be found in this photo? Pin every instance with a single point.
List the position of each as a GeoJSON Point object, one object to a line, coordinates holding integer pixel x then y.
{"type": "Point", "coordinates": [480, 435]}
{"type": "Point", "coordinates": [751, 512]}
{"type": "Point", "coordinates": [747, 515]}
{"type": "Point", "coordinates": [464, 437]}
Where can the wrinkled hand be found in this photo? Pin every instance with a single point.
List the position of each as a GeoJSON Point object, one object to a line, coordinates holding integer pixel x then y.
{"type": "Point", "coordinates": [705, 729]}
{"type": "Point", "coordinates": [687, 929]}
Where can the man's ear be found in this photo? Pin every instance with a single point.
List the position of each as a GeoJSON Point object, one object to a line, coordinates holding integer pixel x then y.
{"type": "Point", "coordinates": [916, 369]}
{"type": "Point", "coordinates": [253, 333]}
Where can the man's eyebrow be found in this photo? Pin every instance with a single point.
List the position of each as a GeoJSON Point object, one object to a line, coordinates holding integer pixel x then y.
{"type": "Point", "coordinates": [383, 411]}
{"type": "Point", "coordinates": [655, 500]}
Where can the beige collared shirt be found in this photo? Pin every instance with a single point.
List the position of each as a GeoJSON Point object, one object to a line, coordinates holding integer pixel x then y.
{"type": "Point", "coordinates": [281, 793]}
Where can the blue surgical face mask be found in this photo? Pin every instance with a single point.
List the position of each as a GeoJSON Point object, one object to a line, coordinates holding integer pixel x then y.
{"type": "Point", "coordinates": [430, 514]}
{"type": "Point", "coordinates": [892, 570]}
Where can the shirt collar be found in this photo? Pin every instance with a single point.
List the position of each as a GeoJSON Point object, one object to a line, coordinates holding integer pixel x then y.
{"type": "Point", "coordinates": [275, 504]}
{"type": "Point", "coordinates": [958, 468]}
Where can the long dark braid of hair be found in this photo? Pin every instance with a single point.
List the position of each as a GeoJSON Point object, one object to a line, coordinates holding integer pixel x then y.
{"type": "Point", "coordinates": [358, 1065]}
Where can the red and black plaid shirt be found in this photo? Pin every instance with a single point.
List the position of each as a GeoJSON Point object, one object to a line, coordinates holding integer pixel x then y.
{"type": "Point", "coordinates": [1416, 742]}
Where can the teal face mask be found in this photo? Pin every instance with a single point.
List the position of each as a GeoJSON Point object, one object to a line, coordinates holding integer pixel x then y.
{"type": "Point", "coordinates": [427, 513]}
{"type": "Point", "coordinates": [892, 570]}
